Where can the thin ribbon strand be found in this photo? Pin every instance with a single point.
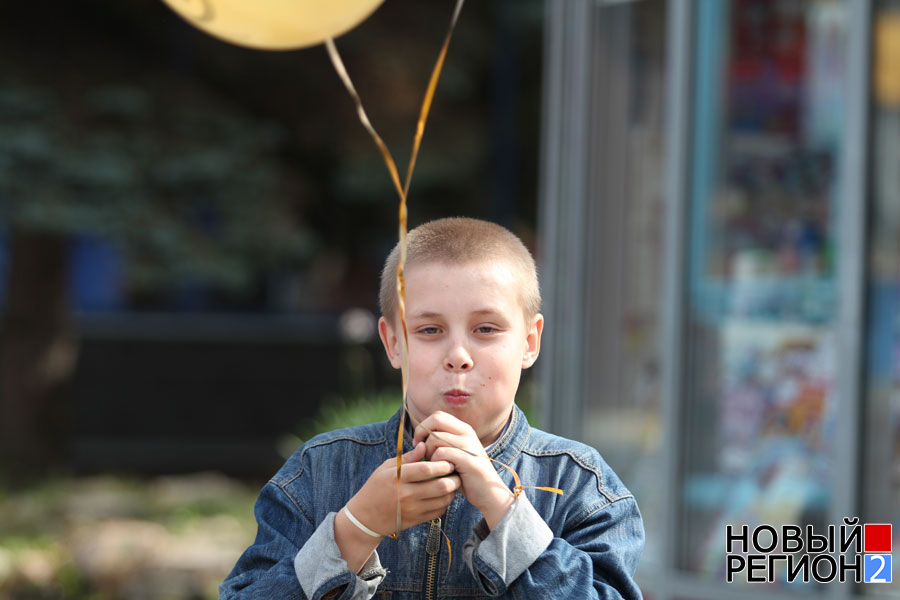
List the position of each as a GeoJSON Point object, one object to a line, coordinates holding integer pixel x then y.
{"type": "Point", "coordinates": [403, 192]}
{"type": "Point", "coordinates": [401, 264]}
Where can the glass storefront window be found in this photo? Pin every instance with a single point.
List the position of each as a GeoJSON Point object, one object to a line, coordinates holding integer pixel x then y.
{"type": "Point", "coordinates": [760, 392]}
{"type": "Point", "coordinates": [881, 447]}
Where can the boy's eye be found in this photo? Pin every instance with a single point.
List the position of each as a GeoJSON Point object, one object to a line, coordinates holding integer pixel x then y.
{"type": "Point", "coordinates": [429, 330]}
{"type": "Point", "coordinates": [485, 329]}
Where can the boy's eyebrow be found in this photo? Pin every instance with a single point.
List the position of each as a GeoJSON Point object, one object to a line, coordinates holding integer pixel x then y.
{"type": "Point", "coordinates": [486, 311]}
{"type": "Point", "coordinates": [427, 314]}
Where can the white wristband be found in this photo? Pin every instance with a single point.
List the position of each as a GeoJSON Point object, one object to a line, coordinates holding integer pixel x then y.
{"type": "Point", "coordinates": [362, 527]}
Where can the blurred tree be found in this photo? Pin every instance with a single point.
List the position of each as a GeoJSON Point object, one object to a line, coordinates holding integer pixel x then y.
{"type": "Point", "coordinates": [188, 186]}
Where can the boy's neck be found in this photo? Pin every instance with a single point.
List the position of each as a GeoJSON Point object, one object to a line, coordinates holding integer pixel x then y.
{"type": "Point", "coordinates": [502, 431]}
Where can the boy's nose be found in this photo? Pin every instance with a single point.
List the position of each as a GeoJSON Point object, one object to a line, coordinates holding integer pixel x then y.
{"type": "Point", "coordinates": [458, 359]}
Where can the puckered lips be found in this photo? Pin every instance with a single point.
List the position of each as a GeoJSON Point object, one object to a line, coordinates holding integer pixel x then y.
{"type": "Point", "coordinates": [456, 396]}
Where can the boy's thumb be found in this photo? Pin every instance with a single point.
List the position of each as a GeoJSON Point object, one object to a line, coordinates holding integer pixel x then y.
{"type": "Point", "coordinates": [416, 454]}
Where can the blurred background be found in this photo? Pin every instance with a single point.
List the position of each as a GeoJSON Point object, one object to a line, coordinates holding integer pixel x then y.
{"type": "Point", "coordinates": [191, 235]}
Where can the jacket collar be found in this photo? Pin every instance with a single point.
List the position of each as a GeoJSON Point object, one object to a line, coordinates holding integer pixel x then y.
{"type": "Point", "coordinates": [504, 450]}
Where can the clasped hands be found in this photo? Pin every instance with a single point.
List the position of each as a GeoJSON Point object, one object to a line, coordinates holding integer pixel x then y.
{"type": "Point", "coordinates": [454, 461]}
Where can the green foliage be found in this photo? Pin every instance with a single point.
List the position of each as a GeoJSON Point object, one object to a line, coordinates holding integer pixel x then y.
{"type": "Point", "coordinates": [36, 516]}
{"type": "Point", "coordinates": [51, 533]}
{"type": "Point", "coordinates": [187, 185]}
{"type": "Point", "coordinates": [526, 399]}
{"type": "Point", "coordinates": [338, 413]}
{"type": "Point", "coordinates": [341, 412]}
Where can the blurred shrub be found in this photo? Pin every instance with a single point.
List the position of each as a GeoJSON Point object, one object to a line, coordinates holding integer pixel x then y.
{"type": "Point", "coordinates": [349, 412]}
{"type": "Point", "coordinates": [342, 412]}
{"type": "Point", "coordinates": [107, 537]}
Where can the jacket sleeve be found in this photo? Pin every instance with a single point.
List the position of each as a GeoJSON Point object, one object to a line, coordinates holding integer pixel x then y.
{"type": "Point", "coordinates": [278, 564]}
{"type": "Point", "coordinates": [594, 558]}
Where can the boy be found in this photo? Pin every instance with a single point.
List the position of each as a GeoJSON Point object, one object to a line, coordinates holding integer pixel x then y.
{"type": "Point", "coordinates": [472, 303]}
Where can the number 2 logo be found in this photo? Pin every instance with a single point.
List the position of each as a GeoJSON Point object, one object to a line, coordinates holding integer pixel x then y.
{"type": "Point", "coordinates": [877, 563]}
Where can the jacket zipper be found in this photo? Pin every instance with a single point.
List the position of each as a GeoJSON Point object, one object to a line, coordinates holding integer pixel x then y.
{"type": "Point", "coordinates": [432, 548]}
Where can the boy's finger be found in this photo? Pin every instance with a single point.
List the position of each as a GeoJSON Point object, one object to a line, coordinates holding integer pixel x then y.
{"type": "Point", "coordinates": [425, 470]}
{"type": "Point", "coordinates": [429, 504]}
{"type": "Point", "coordinates": [414, 455]}
{"type": "Point", "coordinates": [459, 458]}
{"type": "Point", "coordinates": [441, 487]}
{"type": "Point", "coordinates": [421, 432]}
{"type": "Point", "coordinates": [449, 440]}
{"type": "Point", "coordinates": [419, 435]}
{"type": "Point", "coordinates": [440, 421]}
{"type": "Point", "coordinates": [435, 504]}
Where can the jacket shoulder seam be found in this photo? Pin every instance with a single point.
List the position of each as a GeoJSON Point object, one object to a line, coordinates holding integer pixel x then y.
{"type": "Point", "coordinates": [610, 497]}
{"type": "Point", "coordinates": [317, 444]}
{"type": "Point", "coordinates": [295, 501]}
{"type": "Point", "coordinates": [592, 511]}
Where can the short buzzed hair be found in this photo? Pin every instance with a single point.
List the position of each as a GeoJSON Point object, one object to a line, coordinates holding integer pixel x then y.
{"type": "Point", "coordinates": [460, 240]}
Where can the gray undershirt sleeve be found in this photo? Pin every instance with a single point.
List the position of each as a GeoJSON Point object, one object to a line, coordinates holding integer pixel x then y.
{"type": "Point", "coordinates": [514, 544]}
{"type": "Point", "coordinates": [319, 561]}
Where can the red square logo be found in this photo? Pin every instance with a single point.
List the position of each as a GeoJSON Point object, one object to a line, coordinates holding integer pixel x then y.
{"type": "Point", "coordinates": [877, 537]}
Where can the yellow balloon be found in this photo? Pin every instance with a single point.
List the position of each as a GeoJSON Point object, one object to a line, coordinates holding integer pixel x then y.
{"type": "Point", "coordinates": [274, 24]}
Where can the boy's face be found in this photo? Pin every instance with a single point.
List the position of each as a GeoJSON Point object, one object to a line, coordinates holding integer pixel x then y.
{"type": "Point", "coordinates": [468, 342]}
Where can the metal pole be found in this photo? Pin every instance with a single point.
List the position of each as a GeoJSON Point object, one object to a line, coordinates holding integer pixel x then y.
{"type": "Point", "coordinates": [851, 277]}
{"type": "Point", "coordinates": [677, 126]}
{"type": "Point", "coordinates": [563, 212]}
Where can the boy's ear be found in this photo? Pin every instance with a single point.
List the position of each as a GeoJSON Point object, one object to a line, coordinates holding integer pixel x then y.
{"type": "Point", "coordinates": [390, 341]}
{"type": "Point", "coordinates": [533, 341]}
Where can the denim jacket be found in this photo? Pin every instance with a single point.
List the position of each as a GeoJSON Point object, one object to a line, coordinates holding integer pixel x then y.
{"type": "Point", "coordinates": [583, 544]}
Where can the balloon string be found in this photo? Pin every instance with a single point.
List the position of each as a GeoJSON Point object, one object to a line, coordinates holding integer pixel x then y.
{"type": "Point", "coordinates": [429, 97]}
{"type": "Point", "coordinates": [401, 218]}
{"type": "Point", "coordinates": [402, 192]}
{"type": "Point", "coordinates": [401, 264]}
{"type": "Point", "coordinates": [363, 117]}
